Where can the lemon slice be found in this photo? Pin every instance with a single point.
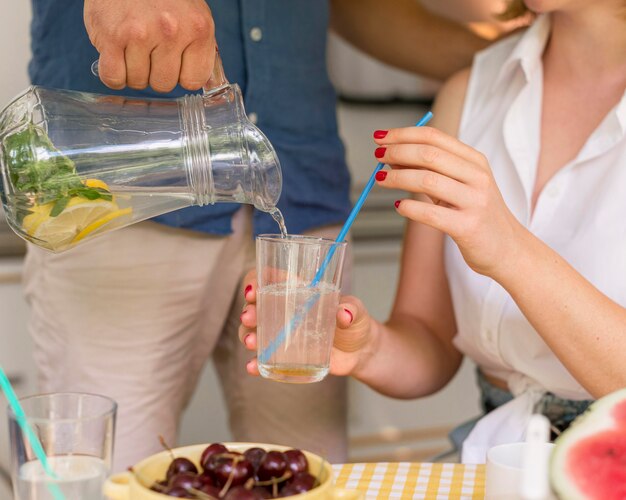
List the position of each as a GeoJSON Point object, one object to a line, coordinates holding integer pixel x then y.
{"type": "Point", "coordinates": [60, 231]}
{"type": "Point", "coordinates": [96, 183]}
{"type": "Point", "coordinates": [101, 222]}
{"type": "Point", "coordinates": [37, 215]}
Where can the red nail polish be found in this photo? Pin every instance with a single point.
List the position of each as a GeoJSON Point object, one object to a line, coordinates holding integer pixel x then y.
{"type": "Point", "coordinates": [397, 203]}
{"type": "Point", "coordinates": [247, 290]}
{"type": "Point", "coordinates": [380, 134]}
{"type": "Point", "coordinates": [380, 152]}
{"type": "Point", "coordinates": [351, 316]}
{"type": "Point", "coordinates": [381, 176]}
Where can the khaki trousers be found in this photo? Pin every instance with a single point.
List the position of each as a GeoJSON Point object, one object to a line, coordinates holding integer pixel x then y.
{"type": "Point", "coordinates": [135, 314]}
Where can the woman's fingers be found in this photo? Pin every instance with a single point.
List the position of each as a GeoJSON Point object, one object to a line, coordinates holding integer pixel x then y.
{"type": "Point", "coordinates": [249, 340]}
{"type": "Point", "coordinates": [436, 186]}
{"type": "Point", "coordinates": [430, 158]}
{"type": "Point", "coordinates": [250, 286]}
{"type": "Point", "coordinates": [429, 136]}
{"type": "Point", "coordinates": [353, 325]}
{"type": "Point", "coordinates": [442, 218]}
{"type": "Point", "coordinates": [248, 316]}
{"type": "Point", "coordinates": [252, 367]}
{"type": "Point", "coordinates": [345, 316]}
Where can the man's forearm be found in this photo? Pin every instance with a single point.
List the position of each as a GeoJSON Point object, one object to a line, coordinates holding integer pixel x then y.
{"type": "Point", "coordinates": [404, 34]}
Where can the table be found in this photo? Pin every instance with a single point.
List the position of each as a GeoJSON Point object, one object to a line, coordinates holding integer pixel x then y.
{"type": "Point", "coordinates": [437, 481]}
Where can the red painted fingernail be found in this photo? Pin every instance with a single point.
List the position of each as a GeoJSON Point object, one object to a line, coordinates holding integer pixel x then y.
{"type": "Point", "coordinates": [381, 176]}
{"type": "Point", "coordinates": [380, 134]}
{"type": "Point", "coordinates": [397, 203]}
{"type": "Point", "coordinates": [348, 311]}
{"type": "Point", "coordinates": [247, 290]}
{"type": "Point", "coordinates": [380, 152]}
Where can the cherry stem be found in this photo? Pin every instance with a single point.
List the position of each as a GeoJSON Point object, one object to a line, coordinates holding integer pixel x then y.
{"type": "Point", "coordinates": [228, 454]}
{"type": "Point", "coordinates": [275, 480]}
{"type": "Point", "coordinates": [142, 481]}
{"type": "Point", "coordinates": [164, 444]}
{"type": "Point", "coordinates": [236, 459]}
{"type": "Point", "coordinates": [201, 494]}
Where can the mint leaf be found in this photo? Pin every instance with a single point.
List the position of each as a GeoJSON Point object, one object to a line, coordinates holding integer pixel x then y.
{"type": "Point", "coordinates": [59, 206]}
{"type": "Point", "coordinates": [38, 170]}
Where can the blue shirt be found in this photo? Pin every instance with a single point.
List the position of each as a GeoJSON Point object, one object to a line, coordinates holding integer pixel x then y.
{"type": "Point", "coordinates": [281, 70]}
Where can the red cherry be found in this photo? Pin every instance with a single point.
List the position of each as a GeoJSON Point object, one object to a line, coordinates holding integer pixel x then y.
{"type": "Point", "coordinates": [211, 450]}
{"type": "Point", "coordinates": [296, 461]}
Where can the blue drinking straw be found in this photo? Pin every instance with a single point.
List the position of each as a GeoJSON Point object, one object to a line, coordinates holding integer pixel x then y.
{"type": "Point", "coordinates": [30, 434]}
{"type": "Point", "coordinates": [280, 338]}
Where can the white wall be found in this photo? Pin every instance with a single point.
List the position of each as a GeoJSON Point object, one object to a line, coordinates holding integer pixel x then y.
{"type": "Point", "coordinates": [14, 48]}
{"type": "Point", "coordinates": [15, 345]}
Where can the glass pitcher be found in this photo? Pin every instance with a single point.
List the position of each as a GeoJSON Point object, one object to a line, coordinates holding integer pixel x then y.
{"type": "Point", "coordinates": [75, 165]}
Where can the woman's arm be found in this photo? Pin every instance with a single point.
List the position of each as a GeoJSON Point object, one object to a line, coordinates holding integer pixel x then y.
{"type": "Point", "coordinates": [412, 354]}
{"type": "Point", "coordinates": [406, 35]}
{"type": "Point", "coordinates": [585, 329]}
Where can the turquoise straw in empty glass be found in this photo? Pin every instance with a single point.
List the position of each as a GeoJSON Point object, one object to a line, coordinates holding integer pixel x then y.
{"type": "Point", "coordinates": [35, 444]}
{"type": "Point", "coordinates": [280, 338]}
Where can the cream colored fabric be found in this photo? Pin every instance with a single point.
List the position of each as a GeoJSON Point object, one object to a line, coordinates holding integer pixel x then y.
{"type": "Point", "coordinates": [135, 314]}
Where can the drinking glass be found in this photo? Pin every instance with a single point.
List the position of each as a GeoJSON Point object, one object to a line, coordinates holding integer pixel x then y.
{"type": "Point", "coordinates": [299, 281]}
{"type": "Point", "coordinates": [76, 432]}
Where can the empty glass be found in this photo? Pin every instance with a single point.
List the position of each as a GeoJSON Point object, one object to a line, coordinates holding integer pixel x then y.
{"type": "Point", "coordinates": [75, 165]}
{"type": "Point", "coordinates": [76, 432]}
{"type": "Point", "coordinates": [296, 305]}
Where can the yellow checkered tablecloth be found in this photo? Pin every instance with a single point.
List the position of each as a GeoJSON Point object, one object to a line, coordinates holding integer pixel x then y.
{"type": "Point", "coordinates": [440, 481]}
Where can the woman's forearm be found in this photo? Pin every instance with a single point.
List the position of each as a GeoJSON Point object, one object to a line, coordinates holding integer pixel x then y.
{"type": "Point", "coordinates": [406, 360]}
{"type": "Point", "coordinates": [583, 327]}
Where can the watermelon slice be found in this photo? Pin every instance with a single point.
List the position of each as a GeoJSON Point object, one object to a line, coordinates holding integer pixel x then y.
{"type": "Point", "coordinates": [589, 459]}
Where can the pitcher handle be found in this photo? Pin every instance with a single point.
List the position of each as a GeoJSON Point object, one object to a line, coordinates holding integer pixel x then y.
{"type": "Point", "coordinates": [218, 78]}
{"type": "Point", "coordinates": [345, 494]}
{"type": "Point", "coordinates": [117, 487]}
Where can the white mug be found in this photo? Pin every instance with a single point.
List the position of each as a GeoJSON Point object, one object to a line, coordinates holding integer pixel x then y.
{"type": "Point", "coordinates": [504, 470]}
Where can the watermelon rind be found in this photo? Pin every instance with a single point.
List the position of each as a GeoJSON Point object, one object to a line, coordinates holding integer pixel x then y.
{"type": "Point", "coordinates": [596, 419]}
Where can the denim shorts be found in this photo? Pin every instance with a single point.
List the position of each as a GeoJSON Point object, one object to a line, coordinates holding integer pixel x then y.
{"type": "Point", "coordinates": [561, 412]}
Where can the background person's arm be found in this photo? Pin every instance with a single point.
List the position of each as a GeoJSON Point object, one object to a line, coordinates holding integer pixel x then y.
{"type": "Point", "coordinates": [152, 42]}
{"type": "Point", "coordinates": [404, 34]}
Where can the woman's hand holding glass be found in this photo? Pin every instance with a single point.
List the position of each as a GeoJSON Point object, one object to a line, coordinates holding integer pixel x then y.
{"type": "Point", "coordinates": [353, 340]}
{"type": "Point", "coordinates": [465, 201]}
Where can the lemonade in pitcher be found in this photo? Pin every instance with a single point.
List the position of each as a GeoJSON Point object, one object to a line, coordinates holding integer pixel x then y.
{"type": "Point", "coordinates": [54, 206]}
{"type": "Point", "coordinates": [75, 165]}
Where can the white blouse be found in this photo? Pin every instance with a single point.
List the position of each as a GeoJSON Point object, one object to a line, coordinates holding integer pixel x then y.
{"type": "Point", "coordinates": [581, 214]}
